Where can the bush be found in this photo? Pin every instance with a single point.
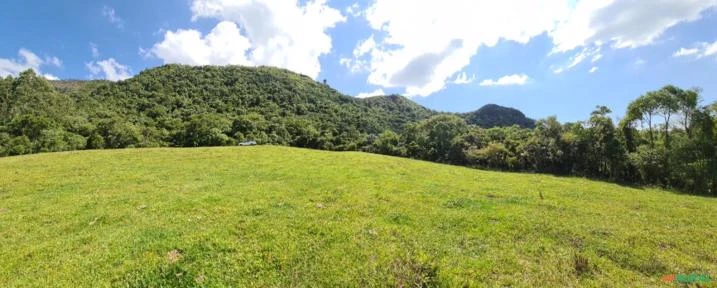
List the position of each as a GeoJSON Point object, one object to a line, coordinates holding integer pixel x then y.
{"type": "Point", "coordinates": [206, 130]}
{"type": "Point", "coordinates": [95, 142]}
{"type": "Point", "coordinates": [121, 134]}
{"type": "Point", "coordinates": [19, 146]}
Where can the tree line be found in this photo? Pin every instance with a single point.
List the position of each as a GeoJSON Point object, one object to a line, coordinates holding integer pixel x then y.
{"type": "Point", "coordinates": [665, 139]}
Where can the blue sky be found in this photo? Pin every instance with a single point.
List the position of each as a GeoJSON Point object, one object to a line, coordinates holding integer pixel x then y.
{"type": "Point", "coordinates": [550, 57]}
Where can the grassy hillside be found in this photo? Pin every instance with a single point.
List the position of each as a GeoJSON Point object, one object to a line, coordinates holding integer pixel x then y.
{"type": "Point", "coordinates": [276, 216]}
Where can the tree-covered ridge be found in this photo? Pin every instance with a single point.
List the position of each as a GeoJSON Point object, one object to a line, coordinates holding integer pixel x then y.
{"type": "Point", "coordinates": [667, 138]}
{"type": "Point", "coordinates": [492, 115]}
{"type": "Point", "coordinates": [178, 105]}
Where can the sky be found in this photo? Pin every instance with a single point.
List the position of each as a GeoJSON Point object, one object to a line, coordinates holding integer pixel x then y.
{"type": "Point", "coordinates": [545, 57]}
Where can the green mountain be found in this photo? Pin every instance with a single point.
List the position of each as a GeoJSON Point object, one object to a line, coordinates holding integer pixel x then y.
{"type": "Point", "coordinates": [493, 115]}
{"type": "Point", "coordinates": [176, 105]}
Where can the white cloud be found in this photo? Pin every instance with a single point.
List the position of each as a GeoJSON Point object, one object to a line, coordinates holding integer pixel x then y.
{"type": "Point", "coordinates": [623, 23]}
{"type": "Point", "coordinates": [515, 79]}
{"type": "Point", "coordinates": [108, 69]}
{"type": "Point", "coordinates": [282, 33]}
{"type": "Point", "coordinates": [421, 47]}
{"type": "Point", "coordinates": [710, 49]}
{"type": "Point", "coordinates": [223, 45]}
{"type": "Point", "coordinates": [354, 10]}
{"type": "Point", "coordinates": [638, 63]}
{"type": "Point", "coordinates": [27, 60]}
{"type": "Point", "coordinates": [463, 78]}
{"type": "Point", "coordinates": [428, 42]}
{"type": "Point", "coordinates": [592, 70]}
{"type": "Point", "coordinates": [95, 51]}
{"type": "Point", "coordinates": [377, 92]}
{"type": "Point", "coordinates": [111, 16]}
{"type": "Point", "coordinates": [54, 61]}
{"type": "Point", "coordinates": [584, 54]}
{"type": "Point", "coordinates": [356, 64]}
{"type": "Point", "coordinates": [50, 77]}
{"type": "Point", "coordinates": [699, 51]}
{"type": "Point", "coordinates": [686, 52]}
{"type": "Point", "coordinates": [592, 53]}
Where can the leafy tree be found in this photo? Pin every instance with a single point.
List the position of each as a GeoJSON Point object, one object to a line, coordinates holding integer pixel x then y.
{"type": "Point", "coordinates": [494, 156]}
{"type": "Point", "coordinates": [19, 146]}
{"type": "Point", "coordinates": [95, 141]}
{"type": "Point", "coordinates": [543, 152]}
{"type": "Point", "coordinates": [119, 134]}
{"type": "Point", "coordinates": [55, 140]}
{"type": "Point", "coordinates": [30, 126]}
{"type": "Point", "coordinates": [644, 109]}
{"type": "Point", "coordinates": [433, 138]}
{"type": "Point", "coordinates": [206, 130]}
{"type": "Point", "coordinates": [387, 143]}
{"type": "Point", "coordinates": [606, 152]}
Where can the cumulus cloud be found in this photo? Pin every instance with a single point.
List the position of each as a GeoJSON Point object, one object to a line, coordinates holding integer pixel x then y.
{"type": "Point", "coordinates": [111, 15]}
{"type": "Point", "coordinates": [699, 51]}
{"type": "Point", "coordinates": [223, 45]}
{"type": "Point", "coordinates": [108, 69]}
{"type": "Point", "coordinates": [27, 60]}
{"type": "Point", "coordinates": [377, 92]}
{"type": "Point", "coordinates": [426, 44]}
{"type": "Point", "coordinates": [508, 80]}
{"type": "Point", "coordinates": [623, 23]}
{"type": "Point", "coordinates": [425, 33]}
{"type": "Point", "coordinates": [282, 33]}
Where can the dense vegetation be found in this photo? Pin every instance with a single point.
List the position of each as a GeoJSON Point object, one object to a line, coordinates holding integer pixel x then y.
{"type": "Point", "coordinates": [666, 139]}
{"type": "Point", "coordinates": [675, 146]}
{"type": "Point", "coordinates": [271, 216]}
{"type": "Point", "coordinates": [492, 115]}
{"type": "Point", "coordinates": [191, 106]}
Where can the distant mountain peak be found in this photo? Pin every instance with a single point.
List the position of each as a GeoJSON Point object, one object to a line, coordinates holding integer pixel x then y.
{"type": "Point", "coordinates": [493, 115]}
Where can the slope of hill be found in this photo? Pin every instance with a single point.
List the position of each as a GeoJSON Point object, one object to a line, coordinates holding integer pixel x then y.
{"type": "Point", "coordinates": [400, 109]}
{"type": "Point", "coordinates": [492, 115]}
{"type": "Point", "coordinates": [176, 105]}
{"type": "Point", "coordinates": [220, 105]}
{"type": "Point", "coordinates": [277, 216]}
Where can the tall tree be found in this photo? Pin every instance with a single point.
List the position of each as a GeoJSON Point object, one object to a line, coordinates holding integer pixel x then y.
{"type": "Point", "coordinates": [687, 102]}
{"type": "Point", "coordinates": [643, 109]}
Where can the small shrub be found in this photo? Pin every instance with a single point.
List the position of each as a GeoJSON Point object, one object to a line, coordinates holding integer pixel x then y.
{"type": "Point", "coordinates": [412, 272]}
{"type": "Point", "coordinates": [581, 264]}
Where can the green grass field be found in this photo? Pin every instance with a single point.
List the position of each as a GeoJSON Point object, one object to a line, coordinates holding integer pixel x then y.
{"type": "Point", "coordinates": [276, 216]}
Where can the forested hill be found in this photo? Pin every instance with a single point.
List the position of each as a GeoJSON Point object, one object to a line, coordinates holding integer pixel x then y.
{"type": "Point", "coordinates": [176, 105]}
{"type": "Point", "coordinates": [265, 104]}
{"type": "Point", "coordinates": [492, 115]}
